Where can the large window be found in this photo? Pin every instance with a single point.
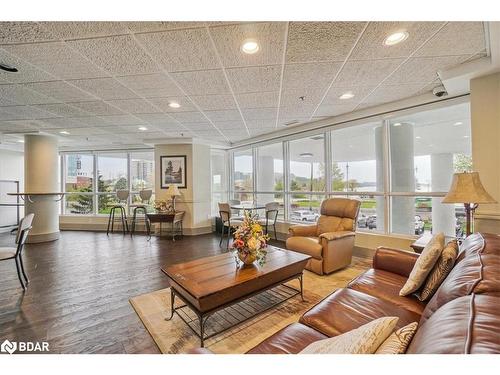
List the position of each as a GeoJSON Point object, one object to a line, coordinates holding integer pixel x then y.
{"type": "Point", "coordinates": [219, 179]}
{"type": "Point", "coordinates": [399, 166]}
{"type": "Point", "coordinates": [91, 180]}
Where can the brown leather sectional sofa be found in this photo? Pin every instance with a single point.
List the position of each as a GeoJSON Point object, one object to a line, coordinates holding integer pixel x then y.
{"type": "Point", "coordinates": [463, 316]}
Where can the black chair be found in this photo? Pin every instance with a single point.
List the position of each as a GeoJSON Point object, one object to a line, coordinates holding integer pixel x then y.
{"type": "Point", "coordinates": [121, 206]}
{"type": "Point", "coordinates": [272, 210]}
{"type": "Point", "coordinates": [15, 253]}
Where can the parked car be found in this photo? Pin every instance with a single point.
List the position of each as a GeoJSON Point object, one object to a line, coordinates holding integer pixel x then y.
{"type": "Point", "coordinates": [305, 215]}
{"type": "Point", "coordinates": [362, 221]}
{"type": "Point", "coordinates": [371, 223]}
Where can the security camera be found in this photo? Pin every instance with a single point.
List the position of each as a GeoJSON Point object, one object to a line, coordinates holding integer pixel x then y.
{"type": "Point", "coordinates": [440, 91]}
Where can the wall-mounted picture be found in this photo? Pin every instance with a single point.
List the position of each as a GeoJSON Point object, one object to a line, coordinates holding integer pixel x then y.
{"type": "Point", "coordinates": [173, 171]}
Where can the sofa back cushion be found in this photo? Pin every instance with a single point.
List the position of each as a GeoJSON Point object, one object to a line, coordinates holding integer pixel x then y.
{"type": "Point", "coordinates": [476, 271]}
{"type": "Point", "coordinates": [468, 324]}
{"type": "Point", "coordinates": [338, 214]}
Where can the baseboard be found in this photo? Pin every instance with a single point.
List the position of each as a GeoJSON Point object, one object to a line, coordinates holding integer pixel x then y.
{"type": "Point", "coordinates": [141, 228]}
{"type": "Point", "coordinates": [43, 237]}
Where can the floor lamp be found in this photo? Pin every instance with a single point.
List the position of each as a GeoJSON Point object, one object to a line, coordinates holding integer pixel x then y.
{"type": "Point", "coordinates": [467, 188]}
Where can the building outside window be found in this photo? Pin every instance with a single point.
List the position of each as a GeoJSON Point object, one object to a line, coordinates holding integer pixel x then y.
{"type": "Point", "coordinates": [243, 176]}
{"type": "Point", "coordinates": [219, 179]}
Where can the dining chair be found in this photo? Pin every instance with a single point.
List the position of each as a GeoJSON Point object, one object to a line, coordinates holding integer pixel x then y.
{"type": "Point", "coordinates": [234, 211]}
{"type": "Point", "coordinates": [15, 253]}
{"type": "Point", "coordinates": [145, 196]}
{"type": "Point", "coordinates": [121, 206]}
{"type": "Point", "coordinates": [228, 222]}
{"type": "Point", "coordinates": [272, 210]}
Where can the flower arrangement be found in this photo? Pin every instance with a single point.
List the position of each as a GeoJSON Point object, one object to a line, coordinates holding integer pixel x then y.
{"type": "Point", "coordinates": [250, 242]}
{"type": "Point", "coordinates": [162, 206]}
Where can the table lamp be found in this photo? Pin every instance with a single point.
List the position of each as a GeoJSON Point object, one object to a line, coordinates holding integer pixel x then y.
{"type": "Point", "coordinates": [467, 188]}
{"type": "Point", "coordinates": [173, 191]}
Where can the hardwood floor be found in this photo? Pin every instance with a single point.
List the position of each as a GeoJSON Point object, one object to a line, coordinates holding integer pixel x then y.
{"type": "Point", "coordinates": [77, 299]}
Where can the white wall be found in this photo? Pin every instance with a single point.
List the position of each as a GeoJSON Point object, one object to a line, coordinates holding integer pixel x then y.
{"type": "Point", "coordinates": [11, 168]}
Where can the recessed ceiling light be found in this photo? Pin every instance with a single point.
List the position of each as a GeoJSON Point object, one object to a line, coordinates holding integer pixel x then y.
{"type": "Point", "coordinates": [64, 132]}
{"type": "Point", "coordinates": [8, 68]}
{"type": "Point", "coordinates": [346, 95]}
{"type": "Point", "coordinates": [174, 105]}
{"type": "Point", "coordinates": [458, 123]}
{"type": "Point", "coordinates": [250, 46]}
{"type": "Point", "coordinates": [396, 38]}
{"type": "Point", "coordinates": [466, 136]}
{"type": "Point", "coordinates": [20, 140]}
{"type": "Point", "coordinates": [143, 128]}
{"type": "Point", "coordinates": [418, 137]}
{"type": "Point", "coordinates": [397, 124]}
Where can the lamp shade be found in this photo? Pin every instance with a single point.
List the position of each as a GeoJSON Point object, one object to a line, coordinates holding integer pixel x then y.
{"type": "Point", "coordinates": [173, 191]}
{"type": "Point", "coordinates": [467, 188]}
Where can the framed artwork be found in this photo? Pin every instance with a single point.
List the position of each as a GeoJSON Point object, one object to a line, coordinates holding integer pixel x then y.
{"type": "Point", "coordinates": [173, 171]}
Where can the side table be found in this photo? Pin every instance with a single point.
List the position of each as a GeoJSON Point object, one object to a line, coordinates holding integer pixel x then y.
{"type": "Point", "coordinates": [174, 218]}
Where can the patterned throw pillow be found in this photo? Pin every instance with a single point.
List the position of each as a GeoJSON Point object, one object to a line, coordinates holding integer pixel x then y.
{"type": "Point", "coordinates": [441, 269]}
{"type": "Point", "coordinates": [397, 342]}
{"type": "Point", "coordinates": [363, 340]}
{"type": "Point", "coordinates": [424, 264]}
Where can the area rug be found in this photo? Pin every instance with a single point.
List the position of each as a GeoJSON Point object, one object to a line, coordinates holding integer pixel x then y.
{"type": "Point", "coordinates": [175, 336]}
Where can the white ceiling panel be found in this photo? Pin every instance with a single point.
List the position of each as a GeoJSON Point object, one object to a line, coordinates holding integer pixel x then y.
{"type": "Point", "coordinates": [318, 75]}
{"type": "Point", "coordinates": [228, 115]}
{"type": "Point", "coordinates": [199, 126]}
{"type": "Point", "coordinates": [321, 41]}
{"type": "Point", "coordinates": [258, 99]}
{"type": "Point", "coordinates": [142, 27]}
{"type": "Point", "coordinates": [259, 113]}
{"type": "Point", "coordinates": [181, 50]}
{"type": "Point", "coordinates": [156, 118]}
{"type": "Point", "coordinates": [98, 108]}
{"type": "Point", "coordinates": [206, 82]}
{"type": "Point", "coordinates": [16, 126]}
{"type": "Point", "coordinates": [61, 109]}
{"type": "Point", "coordinates": [122, 120]}
{"type": "Point", "coordinates": [255, 79]}
{"type": "Point", "coordinates": [104, 88]}
{"type": "Point", "coordinates": [23, 95]}
{"type": "Point", "coordinates": [151, 85]}
{"type": "Point", "coordinates": [60, 91]}
{"type": "Point", "coordinates": [231, 125]}
{"type": "Point", "coordinates": [23, 32]}
{"type": "Point", "coordinates": [22, 113]}
{"type": "Point", "coordinates": [334, 109]}
{"type": "Point", "coordinates": [214, 102]}
{"type": "Point", "coordinates": [270, 36]}
{"type": "Point", "coordinates": [293, 97]}
{"type": "Point", "coordinates": [365, 73]}
{"type": "Point", "coordinates": [188, 116]}
{"type": "Point", "coordinates": [26, 72]}
{"type": "Point", "coordinates": [333, 95]}
{"type": "Point", "coordinates": [385, 94]}
{"type": "Point", "coordinates": [119, 55]}
{"type": "Point", "coordinates": [261, 124]}
{"type": "Point", "coordinates": [163, 104]}
{"type": "Point", "coordinates": [77, 30]}
{"type": "Point", "coordinates": [296, 111]}
{"type": "Point", "coordinates": [134, 105]}
{"type": "Point", "coordinates": [62, 122]}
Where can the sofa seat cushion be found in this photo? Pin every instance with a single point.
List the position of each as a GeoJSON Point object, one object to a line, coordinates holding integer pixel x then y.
{"type": "Point", "coordinates": [305, 245]}
{"type": "Point", "coordinates": [386, 285]}
{"type": "Point", "coordinates": [468, 324]}
{"type": "Point", "coordinates": [290, 340]}
{"type": "Point", "coordinates": [347, 309]}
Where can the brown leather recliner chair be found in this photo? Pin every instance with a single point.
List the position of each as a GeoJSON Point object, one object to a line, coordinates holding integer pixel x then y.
{"type": "Point", "coordinates": [331, 240]}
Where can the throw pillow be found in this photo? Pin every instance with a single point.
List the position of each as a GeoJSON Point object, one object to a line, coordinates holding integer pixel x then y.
{"type": "Point", "coordinates": [423, 265]}
{"type": "Point", "coordinates": [398, 341]}
{"type": "Point", "coordinates": [363, 340]}
{"type": "Point", "coordinates": [441, 269]}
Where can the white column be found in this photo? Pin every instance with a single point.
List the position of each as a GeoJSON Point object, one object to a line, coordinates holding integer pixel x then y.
{"type": "Point", "coordinates": [443, 215]}
{"type": "Point", "coordinates": [41, 176]}
{"type": "Point", "coordinates": [379, 154]}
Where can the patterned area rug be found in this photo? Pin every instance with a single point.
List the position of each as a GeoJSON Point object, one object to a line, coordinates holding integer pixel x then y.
{"type": "Point", "coordinates": [175, 336]}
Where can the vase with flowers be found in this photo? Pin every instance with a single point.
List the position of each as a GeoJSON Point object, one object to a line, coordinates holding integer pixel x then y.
{"type": "Point", "coordinates": [250, 242]}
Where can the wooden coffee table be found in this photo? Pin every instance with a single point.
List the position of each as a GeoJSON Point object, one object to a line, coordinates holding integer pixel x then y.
{"type": "Point", "coordinates": [210, 284]}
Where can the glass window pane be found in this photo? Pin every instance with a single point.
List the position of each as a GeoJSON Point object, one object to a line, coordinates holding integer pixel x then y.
{"type": "Point", "coordinates": [79, 172]}
{"type": "Point", "coordinates": [142, 168]}
{"type": "Point", "coordinates": [262, 199]}
{"type": "Point", "coordinates": [305, 207]}
{"type": "Point", "coordinates": [427, 147]}
{"type": "Point", "coordinates": [79, 204]}
{"type": "Point", "coordinates": [218, 165]}
{"type": "Point", "coordinates": [243, 170]}
{"type": "Point", "coordinates": [307, 164]}
{"type": "Point", "coordinates": [112, 172]}
{"type": "Point", "coordinates": [270, 168]}
{"type": "Point", "coordinates": [357, 158]}
{"type": "Point", "coordinates": [104, 203]}
{"type": "Point", "coordinates": [244, 198]}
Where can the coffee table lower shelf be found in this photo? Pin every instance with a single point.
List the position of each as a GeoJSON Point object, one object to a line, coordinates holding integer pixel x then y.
{"type": "Point", "coordinates": [208, 324]}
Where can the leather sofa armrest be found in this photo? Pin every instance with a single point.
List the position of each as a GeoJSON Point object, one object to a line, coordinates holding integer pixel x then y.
{"type": "Point", "coordinates": [394, 260]}
{"type": "Point", "coordinates": [330, 236]}
{"type": "Point", "coordinates": [200, 351]}
{"type": "Point", "coordinates": [303, 230]}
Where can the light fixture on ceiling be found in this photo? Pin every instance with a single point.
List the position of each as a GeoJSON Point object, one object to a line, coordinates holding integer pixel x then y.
{"type": "Point", "coordinates": [174, 105]}
{"type": "Point", "coordinates": [346, 95]}
{"type": "Point", "coordinates": [8, 68]}
{"type": "Point", "coordinates": [306, 155]}
{"type": "Point", "coordinates": [250, 46]}
{"type": "Point", "coordinates": [418, 137]}
{"type": "Point", "coordinates": [458, 123]}
{"type": "Point", "coordinates": [64, 132]}
{"type": "Point", "coordinates": [20, 140]}
{"type": "Point", "coordinates": [396, 38]}
{"type": "Point", "coordinates": [466, 136]}
{"type": "Point", "coordinates": [142, 128]}
{"type": "Point", "coordinates": [397, 124]}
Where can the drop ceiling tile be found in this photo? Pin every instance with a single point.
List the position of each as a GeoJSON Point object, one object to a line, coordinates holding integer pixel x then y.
{"type": "Point", "coordinates": [60, 109]}
{"type": "Point", "coordinates": [288, 122]}
{"type": "Point", "coordinates": [60, 91]}
{"type": "Point", "coordinates": [319, 75]}
{"type": "Point", "coordinates": [23, 32]}
{"type": "Point", "coordinates": [22, 112]}
{"type": "Point", "coordinates": [300, 111]}
{"type": "Point", "coordinates": [270, 36]}
{"type": "Point", "coordinates": [423, 69]}
{"type": "Point", "coordinates": [328, 110]}
{"type": "Point", "coordinates": [255, 79]}
{"type": "Point", "coordinates": [56, 58]}
{"type": "Point", "coordinates": [386, 94]}
{"type": "Point", "coordinates": [333, 95]}
{"type": "Point", "coordinates": [151, 85]}
{"type": "Point", "coordinates": [157, 118]}
{"type": "Point", "coordinates": [76, 30]}
{"type": "Point", "coordinates": [98, 108]}
{"type": "Point", "coordinates": [120, 55]}
{"type": "Point", "coordinates": [104, 88]}
{"type": "Point", "coordinates": [228, 115]}
{"type": "Point", "coordinates": [371, 45]}
{"type": "Point", "coordinates": [163, 104]}
{"type": "Point", "coordinates": [26, 72]}
{"type": "Point", "coordinates": [90, 121]}
{"type": "Point", "coordinates": [15, 126]}
{"type": "Point", "coordinates": [203, 82]}
{"type": "Point", "coordinates": [23, 95]}
{"type": "Point", "coordinates": [230, 125]}
{"type": "Point", "coordinates": [199, 126]}
{"type": "Point", "coordinates": [141, 27]}
{"type": "Point", "coordinates": [134, 105]}
{"type": "Point", "coordinates": [6, 102]}
{"type": "Point", "coordinates": [85, 131]}
{"type": "Point", "coordinates": [292, 97]}
{"type": "Point", "coordinates": [181, 50]}
{"type": "Point", "coordinates": [122, 120]}
{"type": "Point", "coordinates": [365, 73]}
{"type": "Point", "coordinates": [61, 123]}
{"type": "Point", "coordinates": [261, 124]}
{"type": "Point", "coordinates": [456, 38]}
{"type": "Point", "coordinates": [188, 116]}
{"type": "Point", "coordinates": [214, 102]}
{"type": "Point", "coordinates": [321, 41]}
{"type": "Point", "coordinates": [258, 99]}
{"type": "Point", "coordinates": [259, 113]}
